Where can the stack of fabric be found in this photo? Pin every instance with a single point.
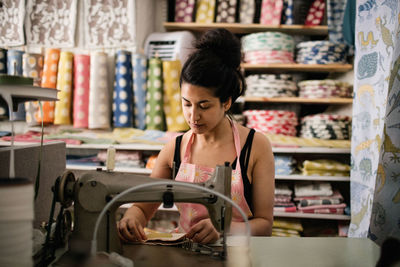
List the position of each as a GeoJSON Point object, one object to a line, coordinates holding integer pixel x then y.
{"type": "Point", "coordinates": [270, 85]}
{"type": "Point", "coordinates": [324, 89]}
{"type": "Point", "coordinates": [286, 227]}
{"type": "Point", "coordinates": [283, 199]}
{"type": "Point", "coordinates": [320, 52]}
{"type": "Point", "coordinates": [318, 197]}
{"type": "Point", "coordinates": [325, 167]}
{"type": "Point", "coordinates": [268, 47]}
{"type": "Point", "coordinates": [272, 121]}
{"type": "Point", "coordinates": [126, 159]}
{"type": "Point", "coordinates": [326, 126]}
{"type": "Point", "coordinates": [284, 165]}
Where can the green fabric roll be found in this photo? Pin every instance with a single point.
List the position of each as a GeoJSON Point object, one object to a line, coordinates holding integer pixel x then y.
{"type": "Point", "coordinates": [155, 119]}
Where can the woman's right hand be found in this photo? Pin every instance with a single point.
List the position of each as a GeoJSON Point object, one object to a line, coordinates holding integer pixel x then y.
{"type": "Point", "coordinates": [130, 228]}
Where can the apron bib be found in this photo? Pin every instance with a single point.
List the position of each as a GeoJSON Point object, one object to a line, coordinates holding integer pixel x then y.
{"type": "Point", "coordinates": [191, 213]}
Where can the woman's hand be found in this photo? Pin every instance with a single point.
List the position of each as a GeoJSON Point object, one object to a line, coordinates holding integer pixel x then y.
{"type": "Point", "coordinates": [203, 232]}
{"type": "Point", "coordinates": [130, 228]}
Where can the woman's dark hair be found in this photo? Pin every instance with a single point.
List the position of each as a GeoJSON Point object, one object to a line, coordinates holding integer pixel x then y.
{"type": "Point", "coordinates": [215, 64]}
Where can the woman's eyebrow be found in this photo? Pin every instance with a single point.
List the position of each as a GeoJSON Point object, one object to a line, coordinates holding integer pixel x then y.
{"type": "Point", "coordinates": [200, 102]}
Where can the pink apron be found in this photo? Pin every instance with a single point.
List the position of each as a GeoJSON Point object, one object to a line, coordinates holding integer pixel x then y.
{"type": "Point", "coordinates": [191, 213]}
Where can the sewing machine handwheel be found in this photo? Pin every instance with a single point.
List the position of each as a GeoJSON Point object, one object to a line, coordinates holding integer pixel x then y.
{"type": "Point", "coordinates": [65, 190]}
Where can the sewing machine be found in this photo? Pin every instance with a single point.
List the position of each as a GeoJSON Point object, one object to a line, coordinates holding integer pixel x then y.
{"type": "Point", "coordinates": [95, 189]}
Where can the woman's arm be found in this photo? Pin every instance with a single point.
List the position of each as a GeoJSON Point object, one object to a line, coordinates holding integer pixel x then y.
{"type": "Point", "coordinates": [263, 186]}
{"type": "Point", "coordinates": [136, 217]}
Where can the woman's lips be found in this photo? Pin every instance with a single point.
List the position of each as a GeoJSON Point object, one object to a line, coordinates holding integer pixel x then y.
{"type": "Point", "coordinates": [196, 125]}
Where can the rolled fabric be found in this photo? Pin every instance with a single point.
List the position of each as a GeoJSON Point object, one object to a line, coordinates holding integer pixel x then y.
{"type": "Point", "coordinates": [184, 10]}
{"type": "Point", "coordinates": [139, 66]}
{"type": "Point", "coordinates": [154, 97]}
{"type": "Point", "coordinates": [32, 66]}
{"type": "Point", "coordinates": [226, 11]}
{"type": "Point", "coordinates": [3, 70]}
{"type": "Point", "coordinates": [247, 11]}
{"type": "Point", "coordinates": [122, 105]}
{"type": "Point", "coordinates": [14, 67]}
{"type": "Point", "coordinates": [205, 11]}
{"type": "Point", "coordinates": [271, 11]}
{"type": "Point", "coordinates": [81, 91]}
{"type": "Point", "coordinates": [172, 97]}
{"type": "Point", "coordinates": [49, 80]}
{"type": "Point", "coordinates": [287, 12]}
{"type": "Point", "coordinates": [99, 108]}
{"type": "Point", "coordinates": [64, 85]}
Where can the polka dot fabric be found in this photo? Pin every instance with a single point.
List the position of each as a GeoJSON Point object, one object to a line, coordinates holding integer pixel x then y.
{"type": "Point", "coordinates": [154, 98]}
{"type": "Point", "coordinates": [32, 66]}
{"type": "Point", "coordinates": [14, 67]}
{"type": "Point", "coordinates": [123, 98]}
{"type": "Point", "coordinates": [184, 10]}
{"type": "Point", "coordinates": [226, 11]}
{"type": "Point", "coordinates": [247, 11]}
{"type": "Point", "coordinates": [172, 97]}
{"type": "Point", "coordinates": [271, 12]}
{"type": "Point", "coordinates": [99, 109]}
{"type": "Point", "coordinates": [321, 52]}
{"type": "Point", "coordinates": [205, 11]}
{"type": "Point", "coordinates": [81, 91]}
{"type": "Point", "coordinates": [62, 111]}
{"type": "Point", "coordinates": [287, 12]}
{"type": "Point", "coordinates": [49, 80]}
{"type": "Point", "coordinates": [272, 121]}
{"type": "Point", "coordinates": [139, 66]}
{"type": "Point", "coordinates": [316, 13]}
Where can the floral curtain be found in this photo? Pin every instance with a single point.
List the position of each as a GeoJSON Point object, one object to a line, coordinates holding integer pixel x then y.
{"type": "Point", "coordinates": [375, 152]}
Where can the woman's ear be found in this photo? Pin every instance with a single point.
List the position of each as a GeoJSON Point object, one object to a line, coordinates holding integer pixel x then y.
{"type": "Point", "coordinates": [227, 104]}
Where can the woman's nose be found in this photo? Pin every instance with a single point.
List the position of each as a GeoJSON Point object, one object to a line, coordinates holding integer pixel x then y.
{"type": "Point", "coordinates": [195, 115]}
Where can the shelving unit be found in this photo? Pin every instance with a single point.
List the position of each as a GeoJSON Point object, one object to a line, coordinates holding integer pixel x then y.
{"type": "Point", "coordinates": [300, 100]}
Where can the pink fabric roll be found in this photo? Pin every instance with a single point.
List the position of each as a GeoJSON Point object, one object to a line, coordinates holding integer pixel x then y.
{"type": "Point", "coordinates": [271, 12]}
{"type": "Point", "coordinates": [81, 90]}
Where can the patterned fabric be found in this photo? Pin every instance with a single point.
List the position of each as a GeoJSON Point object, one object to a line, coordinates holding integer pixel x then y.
{"type": "Point", "coordinates": [62, 111]}
{"type": "Point", "coordinates": [205, 11]}
{"type": "Point", "coordinates": [375, 187]}
{"type": "Point", "coordinates": [32, 66]}
{"type": "Point", "coordinates": [49, 80]}
{"type": "Point", "coordinates": [172, 97]}
{"type": "Point", "coordinates": [14, 67]}
{"type": "Point", "coordinates": [104, 27]}
{"type": "Point", "coordinates": [99, 109]}
{"type": "Point", "coordinates": [46, 15]}
{"type": "Point", "coordinates": [154, 98]}
{"type": "Point", "coordinates": [12, 32]}
{"type": "Point", "coordinates": [287, 14]}
{"type": "Point", "coordinates": [3, 70]}
{"type": "Point", "coordinates": [226, 11]}
{"type": "Point", "coordinates": [335, 10]}
{"type": "Point", "coordinates": [316, 13]}
{"type": "Point", "coordinates": [184, 10]}
{"type": "Point", "coordinates": [271, 11]}
{"type": "Point", "coordinates": [193, 173]}
{"type": "Point", "coordinates": [283, 140]}
{"type": "Point", "coordinates": [81, 91]}
{"type": "Point", "coordinates": [247, 11]}
{"type": "Point", "coordinates": [122, 106]}
{"type": "Point", "coordinates": [139, 66]}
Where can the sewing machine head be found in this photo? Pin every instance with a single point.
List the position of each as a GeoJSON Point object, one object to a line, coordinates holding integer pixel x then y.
{"type": "Point", "coordinates": [95, 189]}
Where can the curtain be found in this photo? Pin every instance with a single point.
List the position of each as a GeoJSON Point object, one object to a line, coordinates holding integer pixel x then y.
{"type": "Point", "coordinates": [375, 151]}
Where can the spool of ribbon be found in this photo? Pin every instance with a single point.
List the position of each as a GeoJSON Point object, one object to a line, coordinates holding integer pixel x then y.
{"type": "Point", "coordinates": [172, 97]}
{"type": "Point", "coordinates": [226, 11]}
{"type": "Point", "coordinates": [3, 70]}
{"type": "Point", "coordinates": [32, 66]}
{"type": "Point", "coordinates": [81, 91]}
{"type": "Point", "coordinates": [139, 65]}
{"type": "Point", "coordinates": [14, 67]}
{"type": "Point", "coordinates": [122, 106]}
{"type": "Point", "coordinates": [154, 106]}
{"type": "Point", "coordinates": [205, 11]}
{"type": "Point", "coordinates": [184, 10]}
{"type": "Point", "coordinates": [49, 80]}
{"type": "Point", "coordinates": [64, 85]}
{"type": "Point", "coordinates": [99, 108]}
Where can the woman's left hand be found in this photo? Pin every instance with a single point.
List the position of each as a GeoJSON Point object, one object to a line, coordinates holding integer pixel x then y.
{"type": "Point", "coordinates": [203, 232]}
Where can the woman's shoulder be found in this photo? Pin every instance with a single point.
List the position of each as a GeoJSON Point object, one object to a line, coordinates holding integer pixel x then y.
{"type": "Point", "coordinates": [260, 142]}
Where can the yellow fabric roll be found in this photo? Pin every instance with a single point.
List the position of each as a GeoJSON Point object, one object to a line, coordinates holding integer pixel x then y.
{"type": "Point", "coordinates": [172, 97]}
{"type": "Point", "coordinates": [279, 139]}
{"type": "Point", "coordinates": [288, 224]}
{"type": "Point", "coordinates": [326, 164]}
{"type": "Point", "coordinates": [324, 173]}
{"type": "Point", "coordinates": [205, 11]}
{"type": "Point", "coordinates": [64, 84]}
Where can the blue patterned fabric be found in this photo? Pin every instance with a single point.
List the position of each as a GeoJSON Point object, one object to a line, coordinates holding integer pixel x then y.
{"type": "Point", "coordinates": [122, 106]}
{"type": "Point", "coordinates": [287, 12]}
{"type": "Point", "coordinates": [14, 67]}
{"type": "Point", "coordinates": [139, 65]}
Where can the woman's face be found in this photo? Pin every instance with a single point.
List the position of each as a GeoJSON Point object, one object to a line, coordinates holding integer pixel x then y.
{"type": "Point", "coordinates": [202, 110]}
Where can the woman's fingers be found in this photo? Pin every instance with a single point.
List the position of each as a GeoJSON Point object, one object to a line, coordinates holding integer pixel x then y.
{"type": "Point", "coordinates": [203, 232]}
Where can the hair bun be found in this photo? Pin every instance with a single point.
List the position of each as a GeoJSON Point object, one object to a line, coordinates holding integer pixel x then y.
{"type": "Point", "coordinates": [223, 44]}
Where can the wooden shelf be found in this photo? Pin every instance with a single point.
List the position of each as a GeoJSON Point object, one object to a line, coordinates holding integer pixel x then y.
{"type": "Point", "coordinates": [299, 177]}
{"type": "Point", "coordinates": [298, 67]}
{"type": "Point", "coordinates": [74, 167]}
{"type": "Point", "coordinates": [141, 147]}
{"type": "Point", "coordinates": [311, 150]}
{"type": "Point", "coordinates": [238, 28]}
{"type": "Point", "coordinates": [302, 100]}
{"type": "Point", "coordinates": [312, 216]}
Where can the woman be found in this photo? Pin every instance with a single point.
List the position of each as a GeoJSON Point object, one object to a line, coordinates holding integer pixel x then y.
{"type": "Point", "coordinates": [210, 82]}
